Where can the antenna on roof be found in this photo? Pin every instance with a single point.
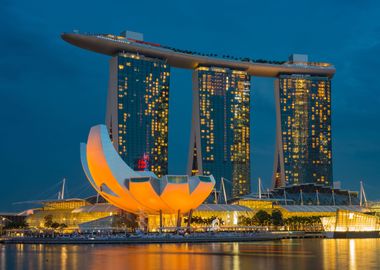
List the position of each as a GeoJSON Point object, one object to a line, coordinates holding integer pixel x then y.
{"type": "Point", "coordinates": [259, 188]}
{"type": "Point", "coordinates": [286, 200]}
{"type": "Point", "coordinates": [349, 197]}
{"type": "Point", "coordinates": [317, 193]}
{"type": "Point", "coordinates": [224, 190]}
{"type": "Point", "coordinates": [362, 195]}
{"type": "Point", "coordinates": [63, 189]}
{"type": "Point", "coordinates": [333, 196]}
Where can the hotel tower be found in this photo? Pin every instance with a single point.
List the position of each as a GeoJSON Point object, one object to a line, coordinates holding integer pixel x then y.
{"type": "Point", "coordinates": [138, 109]}
{"type": "Point", "coordinates": [303, 151]}
{"type": "Point", "coordinates": [219, 142]}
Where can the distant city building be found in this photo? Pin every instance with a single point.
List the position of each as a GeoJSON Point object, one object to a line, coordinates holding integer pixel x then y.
{"type": "Point", "coordinates": [138, 109]}
{"type": "Point", "coordinates": [219, 143]}
{"type": "Point", "coordinates": [303, 140]}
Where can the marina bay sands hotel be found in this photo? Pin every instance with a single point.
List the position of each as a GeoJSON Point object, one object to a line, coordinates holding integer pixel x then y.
{"type": "Point", "coordinates": [138, 110]}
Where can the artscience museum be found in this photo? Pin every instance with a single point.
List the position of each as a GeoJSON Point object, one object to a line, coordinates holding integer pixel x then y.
{"type": "Point", "coordinates": [139, 192]}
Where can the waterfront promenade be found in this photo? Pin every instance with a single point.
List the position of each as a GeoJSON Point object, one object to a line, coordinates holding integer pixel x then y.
{"type": "Point", "coordinates": [161, 238]}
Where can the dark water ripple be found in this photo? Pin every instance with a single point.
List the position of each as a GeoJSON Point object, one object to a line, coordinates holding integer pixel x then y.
{"type": "Point", "coordinates": [287, 254]}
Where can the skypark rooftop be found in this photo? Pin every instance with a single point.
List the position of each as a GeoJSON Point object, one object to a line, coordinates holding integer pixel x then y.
{"type": "Point", "coordinates": [113, 44]}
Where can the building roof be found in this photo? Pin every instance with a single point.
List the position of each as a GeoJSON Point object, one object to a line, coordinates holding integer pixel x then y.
{"type": "Point", "coordinates": [105, 223]}
{"type": "Point", "coordinates": [100, 207]}
{"type": "Point", "coordinates": [112, 45]}
{"type": "Point", "coordinates": [223, 207]}
{"type": "Point", "coordinates": [311, 187]}
{"type": "Point", "coordinates": [321, 208]}
{"type": "Point", "coordinates": [11, 214]}
{"type": "Point", "coordinates": [62, 200]}
{"type": "Point", "coordinates": [254, 197]}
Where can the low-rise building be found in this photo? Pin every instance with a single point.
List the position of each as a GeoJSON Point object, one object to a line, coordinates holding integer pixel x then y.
{"type": "Point", "coordinates": [68, 214]}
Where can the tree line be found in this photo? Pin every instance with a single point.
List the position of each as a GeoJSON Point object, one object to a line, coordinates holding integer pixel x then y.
{"type": "Point", "coordinates": [263, 218]}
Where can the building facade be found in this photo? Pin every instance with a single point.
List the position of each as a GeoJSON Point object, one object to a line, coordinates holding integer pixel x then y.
{"type": "Point", "coordinates": [68, 214]}
{"type": "Point", "coordinates": [138, 110]}
{"type": "Point", "coordinates": [303, 139]}
{"type": "Point", "coordinates": [220, 135]}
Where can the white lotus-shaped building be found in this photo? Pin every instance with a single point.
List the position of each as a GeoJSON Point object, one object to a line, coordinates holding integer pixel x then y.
{"type": "Point", "coordinates": [138, 191]}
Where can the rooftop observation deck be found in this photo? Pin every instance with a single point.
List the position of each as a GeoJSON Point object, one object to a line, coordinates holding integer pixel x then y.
{"type": "Point", "coordinates": [113, 44]}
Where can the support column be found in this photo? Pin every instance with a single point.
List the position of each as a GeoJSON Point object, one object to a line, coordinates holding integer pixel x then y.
{"type": "Point", "coordinates": [160, 221]}
{"type": "Point", "coordinates": [189, 219]}
{"type": "Point", "coordinates": [179, 219]}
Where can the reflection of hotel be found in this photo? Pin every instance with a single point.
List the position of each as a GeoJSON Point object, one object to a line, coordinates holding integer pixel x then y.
{"type": "Point", "coordinates": [137, 111]}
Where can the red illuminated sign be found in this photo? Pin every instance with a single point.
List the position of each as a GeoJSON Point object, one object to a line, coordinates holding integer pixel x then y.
{"type": "Point", "coordinates": [142, 164]}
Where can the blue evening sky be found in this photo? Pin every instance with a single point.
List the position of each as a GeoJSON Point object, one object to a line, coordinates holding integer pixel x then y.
{"type": "Point", "coordinates": [51, 93]}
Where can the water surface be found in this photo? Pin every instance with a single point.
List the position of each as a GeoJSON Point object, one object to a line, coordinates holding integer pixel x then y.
{"type": "Point", "coordinates": [286, 254]}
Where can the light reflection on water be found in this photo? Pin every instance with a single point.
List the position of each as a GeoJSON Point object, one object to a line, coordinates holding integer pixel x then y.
{"type": "Point", "coordinates": [287, 254]}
